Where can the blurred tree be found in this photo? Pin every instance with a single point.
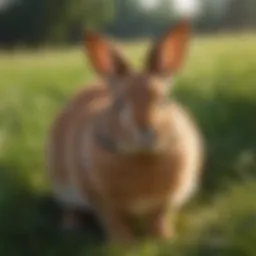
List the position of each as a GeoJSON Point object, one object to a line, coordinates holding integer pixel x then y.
{"type": "Point", "coordinates": [240, 15]}
{"type": "Point", "coordinates": [132, 19]}
{"type": "Point", "coordinates": [35, 22]}
{"type": "Point", "coordinates": [227, 15]}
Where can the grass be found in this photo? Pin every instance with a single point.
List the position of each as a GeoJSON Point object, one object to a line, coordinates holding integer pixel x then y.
{"type": "Point", "coordinates": [218, 85]}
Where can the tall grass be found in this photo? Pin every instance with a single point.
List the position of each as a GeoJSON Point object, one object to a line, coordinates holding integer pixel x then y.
{"type": "Point", "coordinates": [218, 86]}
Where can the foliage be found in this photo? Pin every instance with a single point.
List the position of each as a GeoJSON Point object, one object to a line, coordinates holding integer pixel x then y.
{"type": "Point", "coordinates": [36, 22]}
{"type": "Point", "coordinates": [33, 23]}
{"type": "Point", "coordinates": [131, 20]}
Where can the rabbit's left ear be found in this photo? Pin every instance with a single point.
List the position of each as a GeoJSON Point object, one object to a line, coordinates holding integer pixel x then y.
{"type": "Point", "coordinates": [106, 60]}
{"type": "Point", "coordinates": [168, 53]}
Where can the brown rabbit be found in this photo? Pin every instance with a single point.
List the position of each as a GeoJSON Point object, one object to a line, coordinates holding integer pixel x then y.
{"type": "Point", "coordinates": [121, 148]}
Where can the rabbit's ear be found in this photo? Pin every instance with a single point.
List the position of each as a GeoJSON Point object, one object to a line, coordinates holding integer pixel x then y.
{"type": "Point", "coordinates": [106, 60]}
{"type": "Point", "coordinates": [168, 53]}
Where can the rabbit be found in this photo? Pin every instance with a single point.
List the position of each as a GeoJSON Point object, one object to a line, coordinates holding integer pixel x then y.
{"type": "Point", "coordinates": [121, 148]}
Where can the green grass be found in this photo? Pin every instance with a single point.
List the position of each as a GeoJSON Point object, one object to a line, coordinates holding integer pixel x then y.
{"type": "Point", "coordinates": [217, 84]}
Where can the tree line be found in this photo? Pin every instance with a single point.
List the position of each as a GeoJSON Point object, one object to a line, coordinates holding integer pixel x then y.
{"type": "Point", "coordinates": [37, 22]}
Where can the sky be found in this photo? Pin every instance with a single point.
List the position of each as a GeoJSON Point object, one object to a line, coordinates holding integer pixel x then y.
{"type": "Point", "coordinates": [188, 8]}
{"type": "Point", "coordinates": [182, 7]}
{"type": "Point", "coordinates": [4, 4]}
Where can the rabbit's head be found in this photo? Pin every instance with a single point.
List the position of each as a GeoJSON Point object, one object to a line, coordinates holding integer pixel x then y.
{"type": "Point", "coordinates": [140, 100]}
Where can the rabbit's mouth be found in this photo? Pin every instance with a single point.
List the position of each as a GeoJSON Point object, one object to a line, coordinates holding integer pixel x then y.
{"type": "Point", "coordinates": [139, 147]}
{"type": "Point", "coordinates": [141, 141]}
{"type": "Point", "coordinates": [147, 142]}
{"type": "Point", "coordinates": [135, 149]}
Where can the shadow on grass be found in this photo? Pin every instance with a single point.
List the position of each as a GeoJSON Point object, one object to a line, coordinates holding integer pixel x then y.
{"type": "Point", "coordinates": [30, 222]}
{"type": "Point", "coordinates": [228, 125]}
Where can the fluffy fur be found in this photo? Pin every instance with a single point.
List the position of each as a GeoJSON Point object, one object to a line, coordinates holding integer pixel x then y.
{"type": "Point", "coordinates": [120, 148]}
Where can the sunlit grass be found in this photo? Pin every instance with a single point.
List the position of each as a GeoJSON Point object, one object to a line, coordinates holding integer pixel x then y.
{"type": "Point", "coordinates": [217, 84]}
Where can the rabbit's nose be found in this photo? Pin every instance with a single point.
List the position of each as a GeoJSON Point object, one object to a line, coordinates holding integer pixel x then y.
{"type": "Point", "coordinates": [146, 136]}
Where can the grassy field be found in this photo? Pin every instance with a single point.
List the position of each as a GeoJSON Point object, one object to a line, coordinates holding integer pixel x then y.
{"type": "Point", "coordinates": [218, 85]}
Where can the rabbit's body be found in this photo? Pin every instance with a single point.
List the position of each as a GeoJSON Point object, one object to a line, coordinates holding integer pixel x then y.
{"type": "Point", "coordinates": [135, 154]}
{"type": "Point", "coordinates": [133, 183]}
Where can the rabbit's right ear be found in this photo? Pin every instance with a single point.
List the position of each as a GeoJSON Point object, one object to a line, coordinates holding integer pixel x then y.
{"type": "Point", "coordinates": [167, 54]}
{"type": "Point", "coordinates": [106, 60]}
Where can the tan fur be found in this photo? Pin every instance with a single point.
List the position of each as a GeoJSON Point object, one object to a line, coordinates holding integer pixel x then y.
{"type": "Point", "coordinates": [128, 182]}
